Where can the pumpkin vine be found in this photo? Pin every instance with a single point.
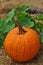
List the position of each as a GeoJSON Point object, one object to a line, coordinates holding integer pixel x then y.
{"type": "Point", "coordinates": [24, 18]}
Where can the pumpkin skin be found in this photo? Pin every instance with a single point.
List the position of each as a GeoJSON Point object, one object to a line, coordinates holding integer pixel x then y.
{"type": "Point", "coordinates": [22, 47]}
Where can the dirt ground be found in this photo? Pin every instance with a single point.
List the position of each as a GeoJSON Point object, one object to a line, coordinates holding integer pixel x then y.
{"type": "Point", "coordinates": [5, 7]}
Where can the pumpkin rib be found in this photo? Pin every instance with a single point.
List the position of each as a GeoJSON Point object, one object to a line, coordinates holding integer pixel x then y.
{"type": "Point", "coordinates": [24, 49]}
{"type": "Point", "coordinates": [19, 46]}
{"type": "Point", "coordinates": [12, 46]}
{"type": "Point", "coordinates": [16, 50]}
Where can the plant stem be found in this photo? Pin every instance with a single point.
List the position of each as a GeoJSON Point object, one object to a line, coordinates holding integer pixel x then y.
{"type": "Point", "coordinates": [21, 30]}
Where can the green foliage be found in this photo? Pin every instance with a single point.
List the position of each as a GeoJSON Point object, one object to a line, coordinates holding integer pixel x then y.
{"type": "Point", "coordinates": [24, 8]}
{"type": "Point", "coordinates": [39, 26]}
{"type": "Point", "coordinates": [24, 19]}
{"type": "Point", "coordinates": [41, 38]}
{"type": "Point", "coordinates": [40, 17]}
{"type": "Point", "coordinates": [39, 29]}
{"type": "Point", "coordinates": [6, 26]}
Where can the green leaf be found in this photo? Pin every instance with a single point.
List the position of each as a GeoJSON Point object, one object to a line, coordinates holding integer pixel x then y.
{"type": "Point", "coordinates": [6, 26]}
{"type": "Point", "coordinates": [4, 29]}
{"type": "Point", "coordinates": [2, 24]}
{"type": "Point", "coordinates": [24, 8]}
{"type": "Point", "coordinates": [41, 37]}
{"type": "Point", "coordinates": [10, 16]}
{"type": "Point", "coordinates": [1, 39]}
{"type": "Point", "coordinates": [9, 27]}
{"type": "Point", "coordinates": [1, 43]}
{"type": "Point", "coordinates": [39, 26]}
{"type": "Point", "coordinates": [31, 24]}
{"type": "Point", "coordinates": [39, 17]}
{"type": "Point", "coordinates": [25, 19]}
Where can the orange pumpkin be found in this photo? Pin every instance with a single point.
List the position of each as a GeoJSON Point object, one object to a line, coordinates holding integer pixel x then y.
{"type": "Point", "coordinates": [22, 47]}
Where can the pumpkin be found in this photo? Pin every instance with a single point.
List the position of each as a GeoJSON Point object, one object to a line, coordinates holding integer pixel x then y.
{"type": "Point", "coordinates": [22, 47]}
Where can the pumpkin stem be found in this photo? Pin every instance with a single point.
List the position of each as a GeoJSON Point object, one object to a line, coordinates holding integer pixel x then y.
{"type": "Point", "coordinates": [21, 30]}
